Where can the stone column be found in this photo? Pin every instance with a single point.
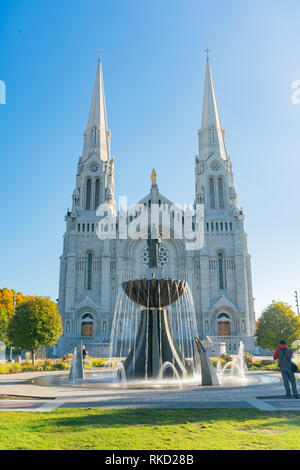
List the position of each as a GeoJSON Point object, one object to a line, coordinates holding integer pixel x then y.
{"type": "Point", "coordinates": [204, 288]}
{"type": "Point", "coordinates": [105, 277]}
{"type": "Point", "coordinates": [70, 274]}
{"type": "Point", "coordinates": [242, 289]}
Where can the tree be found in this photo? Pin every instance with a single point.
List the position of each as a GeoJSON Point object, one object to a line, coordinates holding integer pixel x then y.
{"type": "Point", "coordinates": [36, 324]}
{"type": "Point", "coordinates": [278, 321]}
{"type": "Point", "coordinates": [9, 300]}
{"type": "Point", "coordinates": [3, 324]}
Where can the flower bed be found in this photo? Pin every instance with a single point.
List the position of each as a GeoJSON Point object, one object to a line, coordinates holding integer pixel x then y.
{"type": "Point", "coordinates": [40, 365]}
{"type": "Point", "coordinates": [65, 364]}
{"type": "Point", "coordinates": [251, 363]}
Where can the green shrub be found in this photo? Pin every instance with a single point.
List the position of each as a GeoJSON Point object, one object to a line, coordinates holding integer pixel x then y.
{"type": "Point", "coordinates": [102, 362]}
{"type": "Point", "coordinates": [248, 360]}
{"type": "Point", "coordinates": [215, 361]}
{"type": "Point", "coordinates": [273, 366]}
{"type": "Point", "coordinates": [226, 357]}
{"type": "Point", "coordinates": [48, 364]}
{"type": "Point", "coordinates": [266, 362]}
{"type": "Point", "coordinates": [264, 365]}
{"type": "Point", "coordinates": [41, 365]}
{"type": "Point", "coordinates": [60, 366]}
{"type": "Point", "coordinates": [10, 367]}
{"type": "Point", "coordinates": [26, 367]}
{"type": "Point", "coordinates": [4, 369]}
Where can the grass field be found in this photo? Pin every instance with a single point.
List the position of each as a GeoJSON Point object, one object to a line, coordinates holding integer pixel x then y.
{"type": "Point", "coordinates": [138, 429]}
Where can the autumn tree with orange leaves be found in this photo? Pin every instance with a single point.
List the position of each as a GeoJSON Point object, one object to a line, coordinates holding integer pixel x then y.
{"type": "Point", "coordinates": [9, 301]}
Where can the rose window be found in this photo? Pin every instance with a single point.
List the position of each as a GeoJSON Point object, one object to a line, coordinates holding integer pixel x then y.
{"type": "Point", "coordinates": [94, 167]}
{"type": "Point", "coordinates": [162, 260]}
{"type": "Point", "coordinates": [215, 166]}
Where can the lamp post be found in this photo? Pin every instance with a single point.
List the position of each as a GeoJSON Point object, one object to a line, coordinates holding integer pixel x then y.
{"type": "Point", "coordinates": [14, 308]}
{"type": "Point", "coordinates": [297, 304]}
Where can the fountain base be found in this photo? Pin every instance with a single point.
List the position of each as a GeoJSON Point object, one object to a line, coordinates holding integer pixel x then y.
{"type": "Point", "coordinates": [154, 346]}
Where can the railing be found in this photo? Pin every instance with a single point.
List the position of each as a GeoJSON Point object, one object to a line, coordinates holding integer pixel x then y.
{"type": "Point", "coordinates": [233, 342]}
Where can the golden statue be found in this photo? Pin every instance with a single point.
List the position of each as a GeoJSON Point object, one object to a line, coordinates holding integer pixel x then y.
{"type": "Point", "coordinates": [153, 176]}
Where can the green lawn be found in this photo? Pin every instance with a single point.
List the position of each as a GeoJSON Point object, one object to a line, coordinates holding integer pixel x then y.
{"type": "Point", "coordinates": [150, 429]}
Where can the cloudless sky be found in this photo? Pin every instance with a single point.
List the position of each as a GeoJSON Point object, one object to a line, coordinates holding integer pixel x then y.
{"type": "Point", "coordinates": [153, 65]}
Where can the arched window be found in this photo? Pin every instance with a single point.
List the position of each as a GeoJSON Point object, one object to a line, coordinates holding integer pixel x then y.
{"type": "Point", "coordinates": [97, 192]}
{"type": "Point", "coordinates": [221, 192]}
{"type": "Point", "coordinates": [221, 270]}
{"type": "Point", "coordinates": [212, 193]}
{"type": "Point", "coordinates": [224, 316]}
{"type": "Point", "coordinates": [87, 315]}
{"type": "Point", "coordinates": [88, 194]}
{"type": "Point", "coordinates": [89, 270]}
{"type": "Point", "coordinates": [212, 134]}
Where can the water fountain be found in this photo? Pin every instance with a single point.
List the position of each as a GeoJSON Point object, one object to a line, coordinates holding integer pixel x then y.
{"type": "Point", "coordinates": [236, 368]}
{"type": "Point", "coordinates": [152, 338]}
{"type": "Point", "coordinates": [154, 352]}
{"type": "Point", "coordinates": [77, 370]}
{"type": "Point", "coordinates": [154, 344]}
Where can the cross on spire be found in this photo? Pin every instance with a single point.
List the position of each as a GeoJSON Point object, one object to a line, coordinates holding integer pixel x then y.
{"type": "Point", "coordinates": [207, 52]}
{"type": "Point", "coordinates": [99, 52]}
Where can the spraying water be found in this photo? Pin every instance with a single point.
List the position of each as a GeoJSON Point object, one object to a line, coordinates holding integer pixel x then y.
{"type": "Point", "coordinates": [237, 367]}
{"type": "Point", "coordinates": [176, 325]}
{"type": "Point", "coordinates": [76, 372]}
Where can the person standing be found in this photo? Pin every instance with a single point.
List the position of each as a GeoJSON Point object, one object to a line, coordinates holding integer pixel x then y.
{"type": "Point", "coordinates": [84, 353]}
{"type": "Point", "coordinates": [284, 356]}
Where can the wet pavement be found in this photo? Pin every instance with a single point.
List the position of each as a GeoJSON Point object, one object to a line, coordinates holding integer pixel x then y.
{"type": "Point", "coordinates": [263, 391]}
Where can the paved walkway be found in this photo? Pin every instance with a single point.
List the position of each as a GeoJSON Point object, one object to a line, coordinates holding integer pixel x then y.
{"type": "Point", "coordinates": [259, 394]}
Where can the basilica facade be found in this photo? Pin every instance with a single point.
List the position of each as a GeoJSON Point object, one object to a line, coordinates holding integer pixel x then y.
{"type": "Point", "coordinates": [92, 268]}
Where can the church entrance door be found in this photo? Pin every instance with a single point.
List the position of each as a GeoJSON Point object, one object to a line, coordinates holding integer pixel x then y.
{"type": "Point", "coordinates": [87, 329]}
{"type": "Point", "coordinates": [224, 328]}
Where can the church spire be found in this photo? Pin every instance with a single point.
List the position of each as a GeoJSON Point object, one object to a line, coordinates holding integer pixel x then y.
{"type": "Point", "coordinates": [97, 135]}
{"type": "Point", "coordinates": [211, 135]}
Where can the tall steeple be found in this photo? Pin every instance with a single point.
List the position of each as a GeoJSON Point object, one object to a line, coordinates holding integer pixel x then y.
{"type": "Point", "coordinates": [211, 135]}
{"type": "Point", "coordinates": [213, 170]}
{"type": "Point", "coordinates": [97, 135]}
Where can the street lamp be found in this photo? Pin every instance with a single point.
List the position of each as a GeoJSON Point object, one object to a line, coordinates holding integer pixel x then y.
{"type": "Point", "coordinates": [14, 308]}
{"type": "Point", "coordinates": [297, 304]}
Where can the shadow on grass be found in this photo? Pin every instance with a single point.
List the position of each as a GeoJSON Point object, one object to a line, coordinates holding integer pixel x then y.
{"type": "Point", "coordinates": [85, 418]}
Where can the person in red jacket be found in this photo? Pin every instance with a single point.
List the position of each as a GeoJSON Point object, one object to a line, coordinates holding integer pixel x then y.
{"type": "Point", "coordinates": [284, 356]}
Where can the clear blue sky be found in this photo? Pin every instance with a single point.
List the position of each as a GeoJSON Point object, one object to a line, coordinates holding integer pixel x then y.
{"type": "Point", "coordinates": [154, 74]}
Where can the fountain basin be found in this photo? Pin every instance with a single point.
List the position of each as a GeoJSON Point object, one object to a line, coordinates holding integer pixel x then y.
{"type": "Point", "coordinates": [154, 293]}
{"type": "Point", "coordinates": [106, 379]}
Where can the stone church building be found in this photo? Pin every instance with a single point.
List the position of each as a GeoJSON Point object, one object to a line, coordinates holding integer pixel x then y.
{"type": "Point", "coordinates": [92, 269]}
